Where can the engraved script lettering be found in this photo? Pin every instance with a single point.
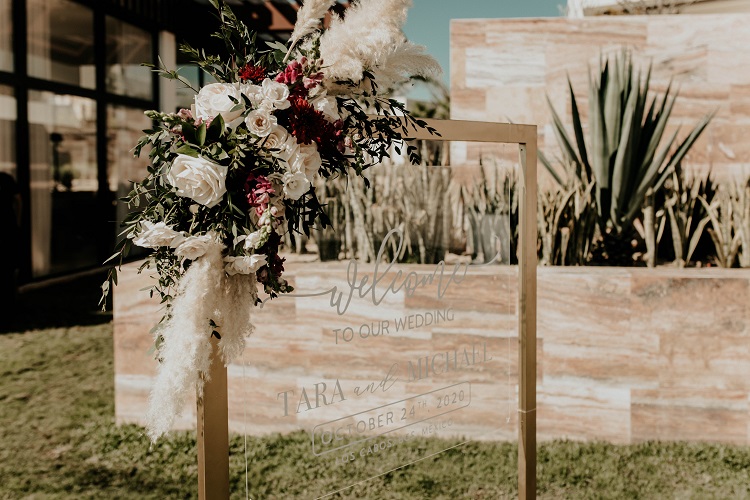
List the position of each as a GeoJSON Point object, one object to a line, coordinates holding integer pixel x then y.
{"type": "Point", "coordinates": [378, 289]}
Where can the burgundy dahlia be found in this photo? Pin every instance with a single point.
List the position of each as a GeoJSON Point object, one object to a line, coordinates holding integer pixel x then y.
{"type": "Point", "coordinates": [253, 74]}
{"type": "Point", "coordinates": [308, 124]}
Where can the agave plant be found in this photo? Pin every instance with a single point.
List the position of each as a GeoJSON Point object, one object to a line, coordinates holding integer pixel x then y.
{"type": "Point", "coordinates": [567, 221]}
{"type": "Point", "coordinates": [741, 212]}
{"type": "Point", "coordinates": [729, 213]}
{"type": "Point", "coordinates": [492, 211]}
{"type": "Point", "coordinates": [685, 214]}
{"type": "Point", "coordinates": [627, 153]}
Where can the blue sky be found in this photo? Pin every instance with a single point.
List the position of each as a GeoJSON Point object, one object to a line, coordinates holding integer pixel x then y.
{"type": "Point", "coordinates": [428, 23]}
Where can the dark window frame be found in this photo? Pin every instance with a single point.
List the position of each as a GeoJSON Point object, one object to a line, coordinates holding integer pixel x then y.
{"type": "Point", "coordinates": [22, 84]}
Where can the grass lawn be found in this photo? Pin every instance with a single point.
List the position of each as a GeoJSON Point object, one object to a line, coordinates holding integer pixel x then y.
{"type": "Point", "coordinates": [58, 438]}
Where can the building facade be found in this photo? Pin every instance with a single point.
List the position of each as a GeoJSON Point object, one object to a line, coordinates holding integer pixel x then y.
{"type": "Point", "coordinates": [585, 8]}
{"type": "Point", "coordinates": [72, 96]}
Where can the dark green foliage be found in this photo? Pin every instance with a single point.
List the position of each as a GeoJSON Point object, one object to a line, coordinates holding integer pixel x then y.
{"type": "Point", "coordinates": [627, 154]}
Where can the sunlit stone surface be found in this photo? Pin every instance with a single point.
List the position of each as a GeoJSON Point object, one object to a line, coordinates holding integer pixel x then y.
{"type": "Point", "coordinates": [625, 355]}
{"type": "Point", "coordinates": [501, 70]}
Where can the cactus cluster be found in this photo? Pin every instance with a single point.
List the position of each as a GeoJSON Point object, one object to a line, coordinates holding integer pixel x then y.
{"type": "Point", "coordinates": [415, 199]}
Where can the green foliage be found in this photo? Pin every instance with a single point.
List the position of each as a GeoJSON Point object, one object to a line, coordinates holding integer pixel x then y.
{"type": "Point", "coordinates": [627, 153]}
{"type": "Point", "coordinates": [566, 219]}
{"type": "Point", "coordinates": [729, 214]}
{"type": "Point", "coordinates": [416, 200]}
{"type": "Point", "coordinates": [685, 213]}
{"type": "Point", "coordinates": [492, 211]}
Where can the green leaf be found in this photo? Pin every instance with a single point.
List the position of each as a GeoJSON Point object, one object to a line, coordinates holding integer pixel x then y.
{"type": "Point", "coordinates": [696, 238]}
{"type": "Point", "coordinates": [578, 130]}
{"type": "Point", "coordinates": [562, 137]}
{"type": "Point", "coordinates": [277, 46]}
{"type": "Point", "coordinates": [188, 150]}
{"type": "Point", "coordinates": [200, 134]}
{"type": "Point", "coordinates": [550, 169]}
{"type": "Point", "coordinates": [112, 257]}
{"type": "Point", "coordinates": [216, 130]}
{"type": "Point", "coordinates": [188, 131]}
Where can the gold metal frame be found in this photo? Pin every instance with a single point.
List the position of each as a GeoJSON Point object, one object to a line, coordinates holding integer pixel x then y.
{"type": "Point", "coordinates": [213, 440]}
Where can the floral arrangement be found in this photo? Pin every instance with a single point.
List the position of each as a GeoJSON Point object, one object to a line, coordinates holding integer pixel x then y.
{"type": "Point", "coordinates": [228, 177]}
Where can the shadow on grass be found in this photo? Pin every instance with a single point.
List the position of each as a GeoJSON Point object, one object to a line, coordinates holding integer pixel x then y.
{"type": "Point", "coordinates": [73, 302]}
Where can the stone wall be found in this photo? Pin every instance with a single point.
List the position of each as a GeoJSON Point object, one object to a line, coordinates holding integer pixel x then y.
{"type": "Point", "coordinates": [502, 69]}
{"type": "Point", "coordinates": [625, 355]}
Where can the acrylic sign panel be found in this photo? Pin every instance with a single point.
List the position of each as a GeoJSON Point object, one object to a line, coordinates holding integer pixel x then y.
{"type": "Point", "coordinates": [400, 350]}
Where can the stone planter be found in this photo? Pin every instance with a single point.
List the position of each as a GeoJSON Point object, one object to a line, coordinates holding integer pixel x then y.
{"type": "Point", "coordinates": [625, 355]}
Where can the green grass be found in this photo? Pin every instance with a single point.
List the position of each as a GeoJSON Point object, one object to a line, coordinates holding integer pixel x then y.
{"type": "Point", "coordinates": [58, 440]}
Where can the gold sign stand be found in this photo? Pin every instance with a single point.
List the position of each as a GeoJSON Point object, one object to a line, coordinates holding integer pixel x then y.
{"type": "Point", "coordinates": [213, 431]}
{"type": "Point", "coordinates": [213, 435]}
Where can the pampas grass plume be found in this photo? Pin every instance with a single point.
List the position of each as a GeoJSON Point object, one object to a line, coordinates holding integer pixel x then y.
{"type": "Point", "coordinates": [370, 37]}
{"type": "Point", "coordinates": [308, 18]}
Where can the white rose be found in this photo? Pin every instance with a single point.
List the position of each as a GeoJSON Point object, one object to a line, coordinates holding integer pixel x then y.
{"type": "Point", "coordinates": [239, 239]}
{"type": "Point", "coordinates": [214, 100]}
{"type": "Point", "coordinates": [194, 246]}
{"type": "Point", "coordinates": [276, 93]}
{"type": "Point", "coordinates": [155, 235]}
{"type": "Point", "coordinates": [253, 92]}
{"type": "Point", "coordinates": [307, 160]}
{"type": "Point", "coordinates": [288, 149]}
{"type": "Point", "coordinates": [199, 179]}
{"type": "Point", "coordinates": [252, 241]}
{"type": "Point", "coordinates": [260, 122]}
{"type": "Point", "coordinates": [244, 265]}
{"type": "Point", "coordinates": [276, 139]}
{"type": "Point", "coordinates": [295, 185]}
{"type": "Point", "coordinates": [327, 106]}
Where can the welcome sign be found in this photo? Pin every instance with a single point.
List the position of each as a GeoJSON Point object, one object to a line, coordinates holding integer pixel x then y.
{"type": "Point", "coordinates": [379, 368]}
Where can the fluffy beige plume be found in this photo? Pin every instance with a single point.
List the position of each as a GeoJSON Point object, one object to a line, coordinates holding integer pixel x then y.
{"type": "Point", "coordinates": [205, 293]}
{"type": "Point", "coordinates": [186, 349]}
{"type": "Point", "coordinates": [405, 61]}
{"type": "Point", "coordinates": [370, 37]}
{"type": "Point", "coordinates": [308, 18]}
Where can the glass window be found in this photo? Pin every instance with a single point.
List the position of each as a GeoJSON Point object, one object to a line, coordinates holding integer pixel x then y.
{"type": "Point", "coordinates": [61, 42]}
{"type": "Point", "coordinates": [6, 35]}
{"type": "Point", "coordinates": [65, 216]}
{"type": "Point", "coordinates": [124, 127]}
{"type": "Point", "coordinates": [7, 130]}
{"type": "Point", "coordinates": [186, 95]}
{"type": "Point", "coordinates": [127, 48]}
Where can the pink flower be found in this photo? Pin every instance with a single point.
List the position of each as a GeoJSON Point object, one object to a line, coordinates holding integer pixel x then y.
{"type": "Point", "coordinates": [312, 81]}
{"type": "Point", "coordinates": [259, 191]}
{"type": "Point", "coordinates": [291, 74]}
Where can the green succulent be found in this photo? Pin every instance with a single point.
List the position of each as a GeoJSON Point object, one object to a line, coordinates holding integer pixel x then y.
{"type": "Point", "coordinates": [627, 153]}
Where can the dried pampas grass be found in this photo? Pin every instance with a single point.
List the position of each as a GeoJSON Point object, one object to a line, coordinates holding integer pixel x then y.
{"type": "Point", "coordinates": [205, 293]}
{"type": "Point", "coordinates": [370, 37]}
{"type": "Point", "coordinates": [308, 19]}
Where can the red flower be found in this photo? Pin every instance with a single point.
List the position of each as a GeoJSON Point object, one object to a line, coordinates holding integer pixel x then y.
{"type": "Point", "coordinates": [308, 124]}
{"type": "Point", "coordinates": [254, 74]}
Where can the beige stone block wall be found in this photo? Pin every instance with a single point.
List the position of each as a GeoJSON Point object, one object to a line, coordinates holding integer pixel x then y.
{"type": "Point", "coordinates": [624, 354]}
{"type": "Point", "coordinates": [501, 70]}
